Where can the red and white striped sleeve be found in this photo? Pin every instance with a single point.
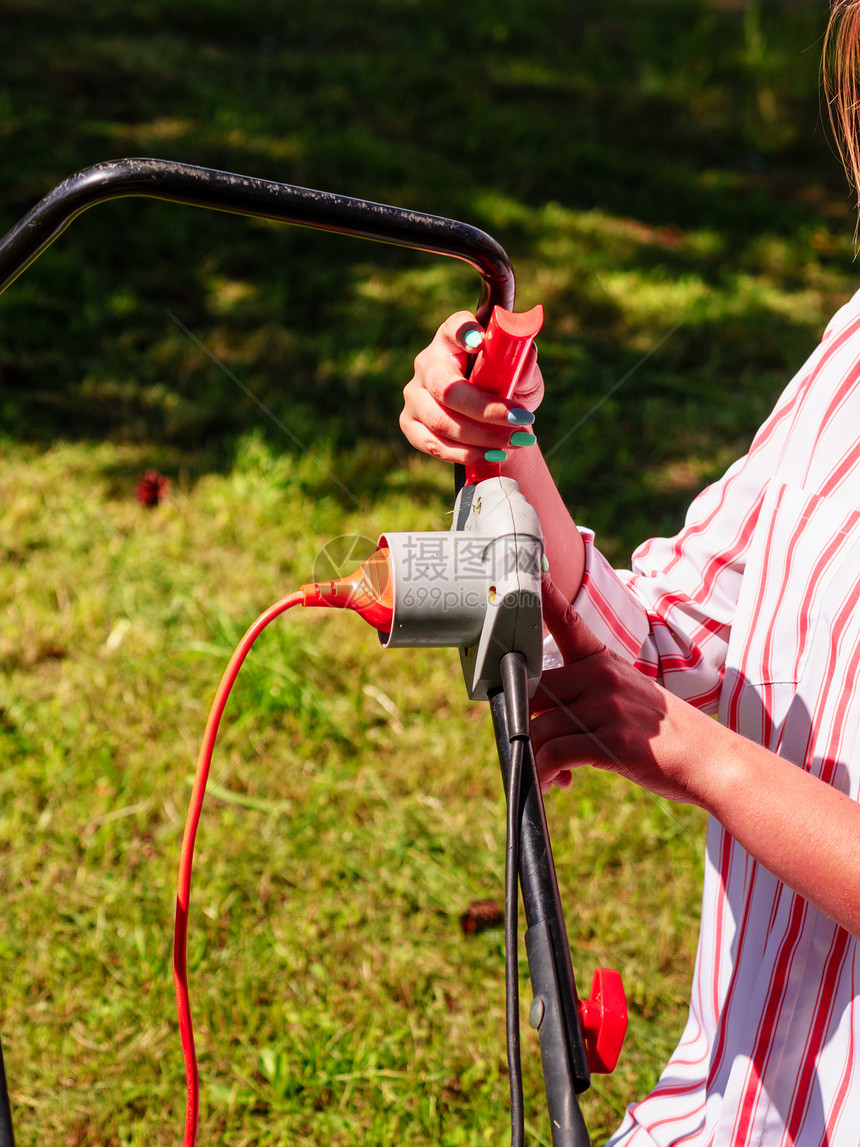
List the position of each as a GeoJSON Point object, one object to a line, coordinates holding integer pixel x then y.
{"type": "Point", "coordinates": [671, 614]}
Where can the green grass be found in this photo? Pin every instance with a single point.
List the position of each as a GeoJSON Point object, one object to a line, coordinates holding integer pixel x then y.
{"type": "Point", "coordinates": [335, 995]}
{"type": "Point", "coordinates": [663, 184]}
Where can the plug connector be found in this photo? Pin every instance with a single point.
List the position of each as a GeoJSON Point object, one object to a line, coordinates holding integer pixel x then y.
{"type": "Point", "coordinates": [475, 587]}
{"type": "Point", "coordinates": [367, 591]}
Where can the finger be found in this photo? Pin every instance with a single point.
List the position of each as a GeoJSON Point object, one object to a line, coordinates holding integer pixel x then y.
{"type": "Point", "coordinates": [439, 419]}
{"type": "Point", "coordinates": [564, 754]}
{"type": "Point", "coordinates": [449, 449]}
{"type": "Point", "coordinates": [554, 770]}
{"type": "Point", "coordinates": [451, 331]}
{"type": "Point", "coordinates": [574, 639]}
{"type": "Point", "coordinates": [470, 336]}
{"type": "Point", "coordinates": [441, 368]}
{"type": "Point", "coordinates": [561, 780]}
{"type": "Point", "coordinates": [455, 336]}
{"type": "Point", "coordinates": [437, 431]}
{"type": "Point", "coordinates": [554, 709]}
{"type": "Point", "coordinates": [462, 332]}
{"type": "Point", "coordinates": [442, 376]}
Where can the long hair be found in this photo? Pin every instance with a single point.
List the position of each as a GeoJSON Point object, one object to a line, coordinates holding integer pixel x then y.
{"type": "Point", "coordinates": [841, 78]}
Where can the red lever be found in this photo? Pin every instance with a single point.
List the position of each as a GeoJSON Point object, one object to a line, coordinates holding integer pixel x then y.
{"type": "Point", "coordinates": [604, 1020]}
{"type": "Point", "coordinates": [504, 352]}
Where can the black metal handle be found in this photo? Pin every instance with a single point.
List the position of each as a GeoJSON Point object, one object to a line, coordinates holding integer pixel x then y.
{"type": "Point", "coordinates": [262, 199]}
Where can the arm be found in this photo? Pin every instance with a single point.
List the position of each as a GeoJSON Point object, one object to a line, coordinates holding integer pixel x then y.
{"type": "Point", "coordinates": [598, 710]}
{"type": "Point", "coordinates": [671, 616]}
{"type": "Point", "coordinates": [802, 830]}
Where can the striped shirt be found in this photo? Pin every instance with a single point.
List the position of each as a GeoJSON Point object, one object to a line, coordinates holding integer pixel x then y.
{"type": "Point", "coordinates": [752, 613]}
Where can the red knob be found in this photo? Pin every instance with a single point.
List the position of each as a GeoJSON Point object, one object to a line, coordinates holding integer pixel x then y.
{"type": "Point", "coordinates": [604, 1020]}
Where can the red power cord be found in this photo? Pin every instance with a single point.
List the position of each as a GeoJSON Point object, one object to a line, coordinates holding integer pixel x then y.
{"type": "Point", "coordinates": [183, 883]}
{"type": "Point", "coordinates": [368, 591]}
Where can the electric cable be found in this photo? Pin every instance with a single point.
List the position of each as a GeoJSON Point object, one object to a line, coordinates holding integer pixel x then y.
{"type": "Point", "coordinates": [512, 982]}
{"type": "Point", "coordinates": [515, 686]}
{"type": "Point", "coordinates": [368, 592]}
{"type": "Point", "coordinates": [183, 883]}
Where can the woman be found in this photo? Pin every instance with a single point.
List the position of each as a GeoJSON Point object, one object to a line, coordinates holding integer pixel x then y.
{"type": "Point", "coordinates": [752, 614]}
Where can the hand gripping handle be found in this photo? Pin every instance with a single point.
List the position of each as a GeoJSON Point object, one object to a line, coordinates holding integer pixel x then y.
{"type": "Point", "coordinates": [500, 362]}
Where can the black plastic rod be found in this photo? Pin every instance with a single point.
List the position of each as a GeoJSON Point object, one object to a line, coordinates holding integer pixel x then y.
{"type": "Point", "coordinates": [262, 199]}
{"type": "Point", "coordinates": [7, 1137]}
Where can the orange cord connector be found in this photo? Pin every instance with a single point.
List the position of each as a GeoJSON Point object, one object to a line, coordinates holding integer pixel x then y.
{"type": "Point", "coordinates": [368, 591]}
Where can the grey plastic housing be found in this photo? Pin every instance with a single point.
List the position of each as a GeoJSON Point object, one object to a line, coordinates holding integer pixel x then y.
{"type": "Point", "coordinates": [475, 587]}
{"type": "Point", "coordinates": [433, 605]}
{"type": "Point", "coordinates": [513, 621]}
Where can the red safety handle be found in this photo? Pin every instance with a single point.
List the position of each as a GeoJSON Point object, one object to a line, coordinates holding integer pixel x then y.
{"type": "Point", "coordinates": [503, 354]}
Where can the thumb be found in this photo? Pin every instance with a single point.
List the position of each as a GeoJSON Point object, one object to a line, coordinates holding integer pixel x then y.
{"type": "Point", "coordinates": [574, 639]}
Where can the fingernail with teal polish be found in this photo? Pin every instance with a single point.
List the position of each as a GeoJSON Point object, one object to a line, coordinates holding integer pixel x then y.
{"type": "Point", "coordinates": [495, 456]}
{"type": "Point", "coordinates": [520, 417]}
{"type": "Point", "coordinates": [523, 438]}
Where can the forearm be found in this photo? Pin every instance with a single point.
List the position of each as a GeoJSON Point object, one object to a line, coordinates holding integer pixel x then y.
{"type": "Point", "coordinates": [565, 549]}
{"type": "Point", "coordinates": [798, 827]}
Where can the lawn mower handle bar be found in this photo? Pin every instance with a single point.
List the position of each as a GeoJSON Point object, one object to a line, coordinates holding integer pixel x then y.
{"type": "Point", "coordinates": [262, 199]}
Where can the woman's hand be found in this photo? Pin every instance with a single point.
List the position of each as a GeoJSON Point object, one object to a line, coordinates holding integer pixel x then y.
{"type": "Point", "coordinates": [449, 418]}
{"type": "Point", "coordinates": [598, 710]}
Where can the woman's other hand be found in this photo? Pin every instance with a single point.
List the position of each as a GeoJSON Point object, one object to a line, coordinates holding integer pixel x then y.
{"type": "Point", "coordinates": [599, 710]}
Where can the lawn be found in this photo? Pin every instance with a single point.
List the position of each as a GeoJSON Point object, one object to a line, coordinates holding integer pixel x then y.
{"type": "Point", "coordinates": [661, 177]}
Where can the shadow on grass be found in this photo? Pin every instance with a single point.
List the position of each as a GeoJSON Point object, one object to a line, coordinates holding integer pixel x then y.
{"type": "Point", "coordinates": [698, 122]}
